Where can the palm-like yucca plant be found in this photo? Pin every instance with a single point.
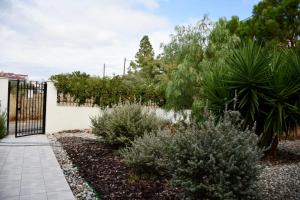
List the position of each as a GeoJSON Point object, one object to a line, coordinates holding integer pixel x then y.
{"type": "Point", "coordinates": [283, 113]}
{"type": "Point", "coordinates": [249, 75]}
{"type": "Point", "coordinates": [215, 90]}
{"type": "Point", "coordinates": [267, 88]}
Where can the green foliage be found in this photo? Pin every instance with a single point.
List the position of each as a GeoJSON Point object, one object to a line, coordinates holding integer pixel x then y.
{"type": "Point", "coordinates": [221, 42]}
{"type": "Point", "coordinates": [214, 160]}
{"type": "Point", "coordinates": [181, 63]}
{"type": "Point", "coordinates": [182, 87]}
{"type": "Point", "coordinates": [266, 87]}
{"type": "Point", "coordinates": [249, 75]}
{"type": "Point", "coordinates": [188, 42]}
{"type": "Point", "coordinates": [193, 50]}
{"type": "Point", "coordinates": [215, 89]}
{"type": "Point", "coordinates": [148, 154]}
{"type": "Point", "coordinates": [283, 102]}
{"type": "Point", "coordinates": [272, 23]}
{"type": "Point", "coordinates": [124, 122]}
{"type": "Point", "coordinates": [107, 91]}
{"type": "Point", "coordinates": [145, 64]}
{"type": "Point", "coordinates": [3, 129]}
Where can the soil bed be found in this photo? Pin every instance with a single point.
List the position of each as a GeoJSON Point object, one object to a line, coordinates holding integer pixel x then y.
{"type": "Point", "coordinates": [104, 170]}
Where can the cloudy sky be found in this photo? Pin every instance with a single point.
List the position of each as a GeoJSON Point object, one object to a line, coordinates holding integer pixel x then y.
{"type": "Point", "coordinates": [45, 37]}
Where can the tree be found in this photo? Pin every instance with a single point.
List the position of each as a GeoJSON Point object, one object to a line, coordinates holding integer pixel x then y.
{"type": "Point", "coordinates": [188, 57]}
{"type": "Point", "coordinates": [277, 20]}
{"type": "Point", "coordinates": [222, 41]}
{"type": "Point", "coordinates": [181, 60]}
{"type": "Point", "coordinates": [264, 86]}
{"type": "Point", "coordinates": [145, 64]}
{"type": "Point", "coordinates": [274, 22]}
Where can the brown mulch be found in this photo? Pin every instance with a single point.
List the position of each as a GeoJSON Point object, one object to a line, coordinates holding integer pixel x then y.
{"type": "Point", "coordinates": [109, 176]}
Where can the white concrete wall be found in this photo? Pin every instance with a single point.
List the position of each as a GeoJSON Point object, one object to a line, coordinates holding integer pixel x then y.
{"type": "Point", "coordinates": [3, 94]}
{"type": "Point", "coordinates": [59, 118]}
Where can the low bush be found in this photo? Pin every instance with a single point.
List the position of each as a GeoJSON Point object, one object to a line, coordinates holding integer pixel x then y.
{"type": "Point", "coordinates": [148, 154]}
{"type": "Point", "coordinates": [2, 124]}
{"type": "Point", "coordinates": [214, 160]}
{"type": "Point", "coordinates": [122, 123]}
{"type": "Point", "coordinates": [217, 160]}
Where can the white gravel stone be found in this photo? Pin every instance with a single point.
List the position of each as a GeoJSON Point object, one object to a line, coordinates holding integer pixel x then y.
{"type": "Point", "coordinates": [79, 187]}
{"type": "Point", "coordinates": [282, 181]}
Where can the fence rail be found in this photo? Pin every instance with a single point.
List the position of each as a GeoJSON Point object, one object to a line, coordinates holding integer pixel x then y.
{"type": "Point", "coordinates": [68, 100]}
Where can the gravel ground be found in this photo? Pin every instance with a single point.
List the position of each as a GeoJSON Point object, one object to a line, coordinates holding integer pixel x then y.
{"type": "Point", "coordinates": [280, 178]}
{"type": "Point", "coordinates": [79, 187]}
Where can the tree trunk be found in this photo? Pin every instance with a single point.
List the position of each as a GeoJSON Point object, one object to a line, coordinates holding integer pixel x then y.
{"type": "Point", "coordinates": [271, 152]}
{"type": "Point", "coordinates": [269, 141]}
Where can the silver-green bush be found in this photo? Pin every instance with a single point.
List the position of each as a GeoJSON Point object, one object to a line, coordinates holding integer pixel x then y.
{"type": "Point", "coordinates": [148, 154]}
{"type": "Point", "coordinates": [2, 124]}
{"type": "Point", "coordinates": [124, 122]}
{"type": "Point", "coordinates": [214, 160]}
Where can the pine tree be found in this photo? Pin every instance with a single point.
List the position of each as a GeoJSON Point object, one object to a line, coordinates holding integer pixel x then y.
{"type": "Point", "coordinates": [144, 59]}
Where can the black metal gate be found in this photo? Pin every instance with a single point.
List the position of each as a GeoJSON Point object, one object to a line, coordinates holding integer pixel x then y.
{"type": "Point", "coordinates": [30, 106]}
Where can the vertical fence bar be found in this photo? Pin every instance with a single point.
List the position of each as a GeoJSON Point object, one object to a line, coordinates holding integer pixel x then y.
{"type": "Point", "coordinates": [37, 96]}
{"type": "Point", "coordinates": [17, 108]}
{"type": "Point", "coordinates": [31, 88]}
{"type": "Point", "coordinates": [21, 124]}
{"type": "Point", "coordinates": [28, 108]}
{"type": "Point", "coordinates": [33, 121]}
{"type": "Point", "coordinates": [24, 99]}
{"type": "Point", "coordinates": [41, 97]}
{"type": "Point", "coordinates": [8, 108]}
{"type": "Point", "coordinates": [35, 107]}
{"type": "Point", "coordinates": [44, 107]}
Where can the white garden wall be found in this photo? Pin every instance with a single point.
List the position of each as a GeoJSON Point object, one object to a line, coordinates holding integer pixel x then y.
{"type": "Point", "coordinates": [59, 118]}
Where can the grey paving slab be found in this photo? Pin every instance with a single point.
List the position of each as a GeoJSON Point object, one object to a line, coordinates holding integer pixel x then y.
{"type": "Point", "coordinates": [29, 170]}
{"type": "Point", "coordinates": [11, 198]}
{"type": "Point", "coordinates": [40, 196]}
{"type": "Point", "coordinates": [65, 195]}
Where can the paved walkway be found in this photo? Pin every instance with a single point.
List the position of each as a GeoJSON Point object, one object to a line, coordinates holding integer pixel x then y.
{"type": "Point", "coordinates": [30, 171]}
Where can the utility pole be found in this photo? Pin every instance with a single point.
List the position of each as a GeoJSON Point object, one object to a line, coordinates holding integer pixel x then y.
{"type": "Point", "coordinates": [104, 70]}
{"type": "Point", "coordinates": [124, 66]}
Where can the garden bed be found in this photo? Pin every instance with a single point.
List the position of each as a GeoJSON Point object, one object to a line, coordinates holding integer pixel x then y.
{"type": "Point", "coordinates": [104, 170]}
{"type": "Point", "coordinates": [109, 176]}
{"type": "Point", "coordinates": [280, 177]}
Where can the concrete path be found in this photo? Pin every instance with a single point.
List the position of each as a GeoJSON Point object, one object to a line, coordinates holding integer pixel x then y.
{"type": "Point", "coordinates": [29, 170]}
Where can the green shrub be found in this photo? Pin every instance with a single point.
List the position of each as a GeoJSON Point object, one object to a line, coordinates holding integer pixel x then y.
{"type": "Point", "coordinates": [124, 122]}
{"type": "Point", "coordinates": [148, 154]}
{"type": "Point", "coordinates": [214, 160]}
{"type": "Point", "coordinates": [2, 124]}
{"type": "Point", "coordinates": [266, 86]}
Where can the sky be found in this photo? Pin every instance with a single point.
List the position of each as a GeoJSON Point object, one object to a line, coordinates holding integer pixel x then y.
{"type": "Point", "coordinates": [45, 37]}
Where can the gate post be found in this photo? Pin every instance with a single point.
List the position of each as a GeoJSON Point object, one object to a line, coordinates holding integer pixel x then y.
{"type": "Point", "coordinates": [51, 113]}
{"type": "Point", "coordinates": [4, 95]}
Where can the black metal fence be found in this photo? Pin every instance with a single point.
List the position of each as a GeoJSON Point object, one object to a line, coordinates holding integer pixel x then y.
{"type": "Point", "coordinates": [30, 106]}
{"type": "Point", "coordinates": [68, 100]}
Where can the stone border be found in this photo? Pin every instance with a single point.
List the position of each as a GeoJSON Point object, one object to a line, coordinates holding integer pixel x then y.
{"type": "Point", "coordinates": [80, 188]}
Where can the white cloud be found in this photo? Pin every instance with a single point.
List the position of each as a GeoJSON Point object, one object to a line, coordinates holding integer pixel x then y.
{"type": "Point", "coordinates": [42, 37]}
